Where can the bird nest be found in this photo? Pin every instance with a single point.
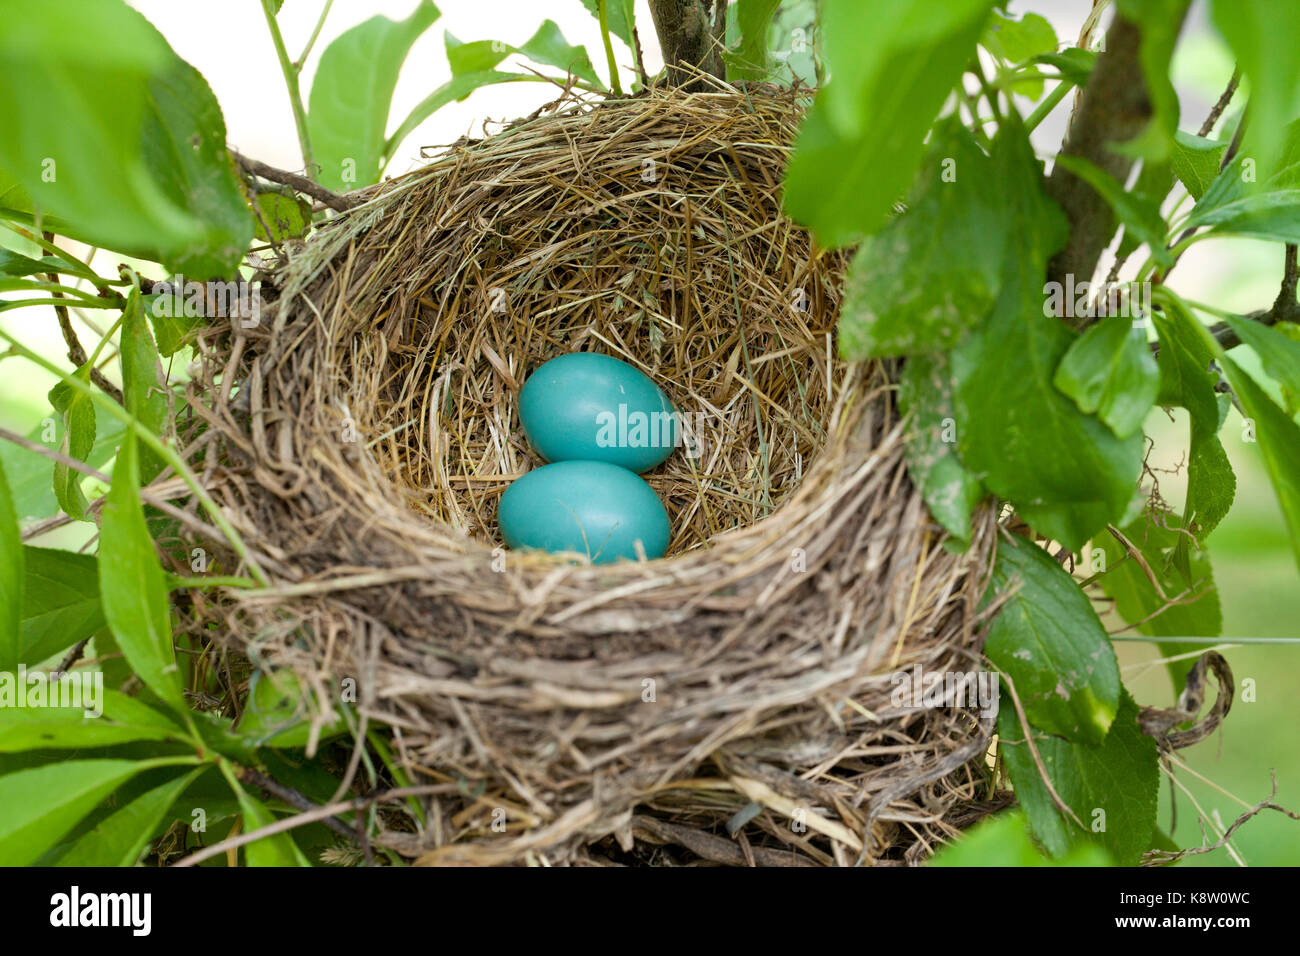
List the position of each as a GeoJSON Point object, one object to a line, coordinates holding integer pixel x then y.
{"type": "Point", "coordinates": [732, 702]}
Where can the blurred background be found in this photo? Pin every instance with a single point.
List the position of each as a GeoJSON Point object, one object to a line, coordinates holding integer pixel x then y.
{"type": "Point", "coordinates": [1253, 563]}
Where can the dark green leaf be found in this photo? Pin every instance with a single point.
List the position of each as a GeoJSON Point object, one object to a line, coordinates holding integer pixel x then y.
{"type": "Point", "coordinates": [11, 579]}
{"type": "Point", "coordinates": [116, 138]}
{"type": "Point", "coordinates": [132, 586]}
{"type": "Point", "coordinates": [750, 60]}
{"type": "Point", "coordinates": [1195, 161]}
{"type": "Point", "coordinates": [40, 805]}
{"type": "Point", "coordinates": [143, 386]}
{"type": "Point", "coordinates": [921, 282]}
{"type": "Point", "coordinates": [352, 92]}
{"type": "Point", "coordinates": [286, 216]}
{"type": "Point", "coordinates": [1004, 840]}
{"type": "Point", "coordinates": [1153, 184]}
{"type": "Point", "coordinates": [119, 839]}
{"type": "Point", "coordinates": [1186, 381]}
{"type": "Point", "coordinates": [13, 264]}
{"type": "Point", "coordinates": [619, 15]}
{"type": "Point", "coordinates": [1139, 214]}
{"type": "Point", "coordinates": [1065, 472]}
{"type": "Point", "coordinates": [1278, 353]}
{"type": "Point", "coordinates": [1159, 22]}
{"type": "Point", "coordinates": [1111, 788]}
{"type": "Point", "coordinates": [862, 140]}
{"type": "Point", "coordinates": [1048, 640]}
{"type": "Point", "coordinates": [1110, 371]}
{"type": "Point", "coordinates": [548, 46]}
{"type": "Point", "coordinates": [122, 720]}
{"type": "Point", "coordinates": [277, 712]}
{"type": "Point", "coordinates": [1279, 441]}
{"type": "Point", "coordinates": [60, 602]}
{"type": "Point", "coordinates": [951, 492]}
{"type": "Point", "coordinates": [1262, 35]}
{"type": "Point", "coordinates": [77, 415]}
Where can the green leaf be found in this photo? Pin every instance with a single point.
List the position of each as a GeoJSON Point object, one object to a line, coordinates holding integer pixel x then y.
{"type": "Point", "coordinates": [11, 579]}
{"type": "Point", "coordinates": [1074, 63]}
{"type": "Point", "coordinates": [120, 838]}
{"type": "Point", "coordinates": [1154, 182]}
{"type": "Point", "coordinates": [14, 264]}
{"type": "Point", "coordinates": [1111, 788]}
{"type": "Point", "coordinates": [352, 92]}
{"type": "Point", "coordinates": [1049, 641]}
{"type": "Point", "coordinates": [475, 56]}
{"type": "Point", "coordinates": [862, 140]}
{"type": "Point", "coordinates": [950, 491]}
{"type": "Point", "coordinates": [750, 60]}
{"type": "Point", "coordinates": [116, 138]}
{"type": "Point", "coordinates": [1110, 371]}
{"type": "Point", "coordinates": [122, 720]}
{"type": "Point", "coordinates": [285, 215]}
{"type": "Point", "coordinates": [276, 710]}
{"type": "Point", "coordinates": [29, 473]}
{"type": "Point", "coordinates": [1290, 396]}
{"type": "Point", "coordinates": [457, 88]}
{"type": "Point", "coordinates": [619, 15]}
{"type": "Point", "coordinates": [60, 602]}
{"type": "Point", "coordinates": [1004, 840]}
{"type": "Point", "coordinates": [143, 386]}
{"type": "Point", "coordinates": [1262, 35]}
{"type": "Point", "coordinates": [921, 282]}
{"type": "Point", "coordinates": [1195, 161]}
{"type": "Point", "coordinates": [1018, 40]}
{"type": "Point", "coordinates": [276, 850]}
{"type": "Point", "coordinates": [1139, 214]}
{"type": "Point", "coordinates": [1197, 614]}
{"type": "Point", "coordinates": [548, 46]}
{"type": "Point", "coordinates": [77, 415]}
{"type": "Point", "coordinates": [1256, 198]}
{"type": "Point", "coordinates": [1186, 381]}
{"type": "Point", "coordinates": [132, 585]}
{"type": "Point", "coordinates": [1159, 22]}
{"type": "Point", "coordinates": [1065, 472]}
{"type": "Point", "coordinates": [1279, 441]}
{"type": "Point", "coordinates": [39, 805]}
{"type": "Point", "coordinates": [1278, 353]}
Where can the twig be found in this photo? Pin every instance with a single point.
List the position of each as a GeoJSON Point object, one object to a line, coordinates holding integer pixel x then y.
{"type": "Point", "coordinates": [296, 181]}
{"type": "Point", "coordinates": [77, 354]}
{"type": "Point", "coordinates": [1168, 856]}
{"type": "Point", "coordinates": [311, 816]}
{"type": "Point", "coordinates": [1033, 750]}
{"type": "Point", "coordinates": [1220, 106]}
{"type": "Point", "coordinates": [1285, 308]}
{"type": "Point", "coordinates": [292, 797]}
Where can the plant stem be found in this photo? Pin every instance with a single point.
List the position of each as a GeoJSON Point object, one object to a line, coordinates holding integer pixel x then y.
{"type": "Point", "coordinates": [1048, 104]}
{"type": "Point", "coordinates": [291, 81]}
{"type": "Point", "coordinates": [156, 444]}
{"type": "Point", "coordinates": [609, 50]}
{"type": "Point", "coordinates": [298, 63]}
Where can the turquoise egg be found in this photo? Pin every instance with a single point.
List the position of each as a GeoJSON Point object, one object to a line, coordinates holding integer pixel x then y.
{"type": "Point", "coordinates": [591, 507]}
{"type": "Point", "coordinates": [592, 407]}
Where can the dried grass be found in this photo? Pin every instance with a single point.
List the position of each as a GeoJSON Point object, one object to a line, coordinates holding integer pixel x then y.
{"type": "Point", "coordinates": [362, 434]}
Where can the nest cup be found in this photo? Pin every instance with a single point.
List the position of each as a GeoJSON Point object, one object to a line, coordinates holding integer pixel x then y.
{"type": "Point", "coordinates": [733, 702]}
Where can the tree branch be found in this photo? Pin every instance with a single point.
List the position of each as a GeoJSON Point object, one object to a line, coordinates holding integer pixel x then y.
{"type": "Point", "coordinates": [294, 181]}
{"type": "Point", "coordinates": [686, 36]}
{"type": "Point", "coordinates": [1114, 107]}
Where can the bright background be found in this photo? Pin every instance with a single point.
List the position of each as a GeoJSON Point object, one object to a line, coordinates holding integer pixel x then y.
{"type": "Point", "coordinates": [1253, 563]}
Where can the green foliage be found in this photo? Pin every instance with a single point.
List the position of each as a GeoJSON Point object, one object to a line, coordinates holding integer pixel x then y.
{"type": "Point", "coordinates": [1262, 34]}
{"type": "Point", "coordinates": [1139, 214]}
{"type": "Point", "coordinates": [619, 14]}
{"type": "Point", "coordinates": [1065, 471]}
{"type": "Point", "coordinates": [951, 492]}
{"type": "Point", "coordinates": [77, 416]}
{"type": "Point", "coordinates": [861, 141]}
{"type": "Point", "coordinates": [12, 561]}
{"type": "Point", "coordinates": [143, 387]}
{"type": "Point", "coordinates": [1160, 21]}
{"type": "Point", "coordinates": [1004, 840]}
{"type": "Point", "coordinates": [352, 92]}
{"type": "Point", "coordinates": [280, 216]}
{"type": "Point", "coordinates": [114, 139]}
{"type": "Point", "coordinates": [1195, 161]}
{"type": "Point", "coordinates": [750, 60]}
{"type": "Point", "coordinates": [925, 279]}
{"type": "Point", "coordinates": [1048, 640]}
{"type": "Point", "coordinates": [1110, 371]}
{"type": "Point", "coordinates": [120, 839]}
{"type": "Point", "coordinates": [1110, 786]}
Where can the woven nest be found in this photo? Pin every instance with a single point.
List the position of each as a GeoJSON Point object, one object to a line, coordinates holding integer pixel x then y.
{"type": "Point", "coordinates": [730, 702]}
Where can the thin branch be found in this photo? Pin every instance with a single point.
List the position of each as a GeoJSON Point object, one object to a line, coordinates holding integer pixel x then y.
{"type": "Point", "coordinates": [1222, 105]}
{"type": "Point", "coordinates": [302, 184]}
{"type": "Point", "coordinates": [76, 354]}
{"type": "Point", "coordinates": [1166, 856]}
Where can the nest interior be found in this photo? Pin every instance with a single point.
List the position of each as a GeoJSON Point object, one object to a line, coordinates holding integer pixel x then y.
{"type": "Point", "coordinates": [361, 432]}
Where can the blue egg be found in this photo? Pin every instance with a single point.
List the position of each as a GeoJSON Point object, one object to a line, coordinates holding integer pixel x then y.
{"type": "Point", "coordinates": [591, 507]}
{"type": "Point", "coordinates": [591, 407]}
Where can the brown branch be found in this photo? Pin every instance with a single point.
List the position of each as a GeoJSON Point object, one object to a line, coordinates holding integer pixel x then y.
{"type": "Point", "coordinates": [1284, 309]}
{"type": "Point", "coordinates": [302, 184]}
{"type": "Point", "coordinates": [688, 41]}
{"type": "Point", "coordinates": [1156, 857]}
{"type": "Point", "coordinates": [1114, 107]}
{"type": "Point", "coordinates": [1222, 105]}
{"type": "Point", "coordinates": [76, 354]}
